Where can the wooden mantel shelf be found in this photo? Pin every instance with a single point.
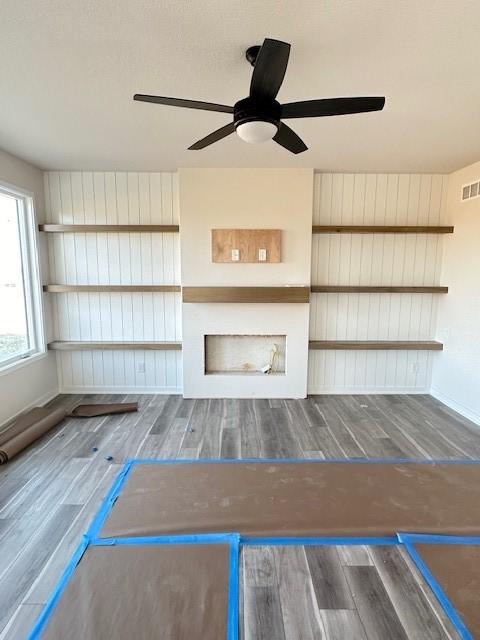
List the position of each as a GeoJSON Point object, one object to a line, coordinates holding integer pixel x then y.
{"type": "Point", "coordinates": [379, 229]}
{"type": "Point", "coordinates": [425, 345]}
{"type": "Point", "coordinates": [66, 345]}
{"type": "Point", "coordinates": [111, 288]}
{"type": "Point", "coordinates": [109, 228]}
{"type": "Point", "coordinates": [320, 288]}
{"type": "Point", "coordinates": [246, 294]}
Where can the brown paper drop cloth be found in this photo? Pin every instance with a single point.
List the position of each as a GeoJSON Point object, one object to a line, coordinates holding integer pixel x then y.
{"type": "Point", "coordinates": [304, 499]}
{"type": "Point", "coordinates": [26, 429]}
{"type": "Point", "coordinates": [94, 410]}
{"type": "Point", "coordinates": [36, 422]}
{"type": "Point", "coordinates": [457, 570]}
{"type": "Point", "coordinates": [157, 592]}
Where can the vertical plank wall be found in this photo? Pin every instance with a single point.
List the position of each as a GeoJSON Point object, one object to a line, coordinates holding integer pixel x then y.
{"type": "Point", "coordinates": [380, 259]}
{"type": "Point", "coordinates": [113, 258]}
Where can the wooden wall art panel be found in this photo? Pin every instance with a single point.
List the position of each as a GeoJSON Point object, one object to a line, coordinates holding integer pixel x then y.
{"type": "Point", "coordinates": [246, 245]}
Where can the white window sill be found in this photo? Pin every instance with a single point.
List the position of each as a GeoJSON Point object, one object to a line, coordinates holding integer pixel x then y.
{"type": "Point", "coordinates": [24, 362]}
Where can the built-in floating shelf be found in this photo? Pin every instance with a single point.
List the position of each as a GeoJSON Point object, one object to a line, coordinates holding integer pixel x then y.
{"type": "Point", "coordinates": [66, 345]}
{"type": "Point", "coordinates": [379, 229]}
{"type": "Point", "coordinates": [246, 294]}
{"type": "Point", "coordinates": [111, 288]}
{"type": "Point", "coordinates": [426, 345]}
{"type": "Point", "coordinates": [109, 228]}
{"type": "Point", "coordinates": [375, 289]}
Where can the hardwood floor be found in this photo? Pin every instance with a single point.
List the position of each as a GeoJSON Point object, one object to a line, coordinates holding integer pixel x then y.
{"type": "Point", "coordinates": [49, 493]}
{"type": "Point", "coordinates": [335, 592]}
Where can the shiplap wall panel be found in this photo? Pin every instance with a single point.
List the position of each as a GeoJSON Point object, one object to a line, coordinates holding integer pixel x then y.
{"type": "Point", "coordinates": [375, 259]}
{"type": "Point", "coordinates": [115, 258]}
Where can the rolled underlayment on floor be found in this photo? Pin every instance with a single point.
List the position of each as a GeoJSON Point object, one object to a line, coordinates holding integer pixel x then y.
{"type": "Point", "coordinates": [155, 591]}
{"type": "Point", "coordinates": [26, 429]}
{"type": "Point", "coordinates": [297, 499]}
{"type": "Point", "coordinates": [456, 568]}
{"type": "Point", "coordinates": [94, 410]}
{"type": "Point", "coordinates": [36, 422]}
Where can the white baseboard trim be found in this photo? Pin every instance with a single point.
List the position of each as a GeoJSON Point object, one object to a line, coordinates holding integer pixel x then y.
{"type": "Point", "coordinates": [39, 402]}
{"type": "Point", "coordinates": [139, 390]}
{"type": "Point", "coordinates": [366, 390]}
{"type": "Point", "coordinates": [456, 406]}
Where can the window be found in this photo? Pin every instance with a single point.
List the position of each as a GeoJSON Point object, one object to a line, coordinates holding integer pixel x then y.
{"type": "Point", "coordinates": [20, 310]}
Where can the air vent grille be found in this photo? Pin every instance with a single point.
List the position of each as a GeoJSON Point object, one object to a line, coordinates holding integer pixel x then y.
{"type": "Point", "coordinates": [471, 190]}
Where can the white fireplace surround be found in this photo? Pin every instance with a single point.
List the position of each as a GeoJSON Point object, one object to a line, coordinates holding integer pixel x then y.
{"type": "Point", "coordinates": [248, 199]}
{"type": "Point", "coordinates": [289, 320]}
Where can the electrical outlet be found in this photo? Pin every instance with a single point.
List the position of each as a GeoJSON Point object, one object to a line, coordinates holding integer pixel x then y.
{"type": "Point", "coordinates": [235, 255]}
{"type": "Point", "coordinates": [262, 255]}
{"type": "Point", "coordinates": [414, 367]}
{"type": "Point", "coordinates": [140, 367]}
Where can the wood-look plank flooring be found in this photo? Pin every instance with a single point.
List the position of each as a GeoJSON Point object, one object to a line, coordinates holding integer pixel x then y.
{"type": "Point", "coordinates": [50, 492]}
{"type": "Point", "coordinates": [336, 592]}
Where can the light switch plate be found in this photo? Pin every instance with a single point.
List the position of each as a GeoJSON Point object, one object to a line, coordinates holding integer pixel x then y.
{"type": "Point", "coordinates": [235, 255]}
{"type": "Point", "coordinates": [262, 255]}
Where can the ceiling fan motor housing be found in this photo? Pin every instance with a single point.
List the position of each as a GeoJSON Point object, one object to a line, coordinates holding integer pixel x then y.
{"type": "Point", "coordinates": [249, 110]}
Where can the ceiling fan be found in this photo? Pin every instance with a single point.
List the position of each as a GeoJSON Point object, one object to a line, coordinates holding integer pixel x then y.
{"type": "Point", "coordinates": [258, 118]}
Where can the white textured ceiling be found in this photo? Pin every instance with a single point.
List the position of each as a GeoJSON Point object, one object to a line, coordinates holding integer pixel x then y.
{"type": "Point", "coordinates": [69, 69]}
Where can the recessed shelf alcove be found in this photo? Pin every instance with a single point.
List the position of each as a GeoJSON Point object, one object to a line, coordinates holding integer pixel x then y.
{"type": "Point", "coordinates": [244, 354]}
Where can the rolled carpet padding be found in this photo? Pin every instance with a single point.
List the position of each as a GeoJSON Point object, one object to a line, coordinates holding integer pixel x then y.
{"type": "Point", "coordinates": [166, 592]}
{"type": "Point", "coordinates": [94, 410]}
{"type": "Point", "coordinates": [297, 499]}
{"type": "Point", "coordinates": [28, 428]}
{"type": "Point", "coordinates": [456, 568]}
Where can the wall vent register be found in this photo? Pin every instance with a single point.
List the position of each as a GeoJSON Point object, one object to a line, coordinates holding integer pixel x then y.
{"type": "Point", "coordinates": [471, 190]}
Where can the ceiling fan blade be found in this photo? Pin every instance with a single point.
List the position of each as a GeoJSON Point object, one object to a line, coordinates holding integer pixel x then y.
{"type": "Point", "coordinates": [215, 136]}
{"type": "Point", "coordinates": [331, 107]}
{"type": "Point", "coordinates": [180, 102]}
{"type": "Point", "coordinates": [287, 138]}
{"type": "Point", "coordinates": [269, 69]}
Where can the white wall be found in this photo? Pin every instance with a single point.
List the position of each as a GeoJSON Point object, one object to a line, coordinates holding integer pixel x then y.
{"type": "Point", "coordinates": [380, 259]}
{"type": "Point", "coordinates": [34, 382]}
{"type": "Point", "coordinates": [113, 258]}
{"type": "Point", "coordinates": [456, 373]}
{"type": "Point", "coordinates": [249, 198]}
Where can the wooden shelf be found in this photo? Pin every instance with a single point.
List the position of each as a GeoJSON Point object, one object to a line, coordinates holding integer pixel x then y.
{"type": "Point", "coordinates": [427, 345]}
{"type": "Point", "coordinates": [111, 288]}
{"type": "Point", "coordinates": [65, 345]}
{"type": "Point", "coordinates": [109, 228]}
{"type": "Point", "coordinates": [246, 294]}
{"type": "Point", "coordinates": [375, 289]}
{"type": "Point", "coordinates": [378, 229]}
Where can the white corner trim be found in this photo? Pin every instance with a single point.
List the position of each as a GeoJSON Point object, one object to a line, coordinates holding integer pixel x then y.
{"type": "Point", "coordinates": [39, 402]}
{"type": "Point", "coordinates": [456, 406]}
{"type": "Point", "coordinates": [138, 390]}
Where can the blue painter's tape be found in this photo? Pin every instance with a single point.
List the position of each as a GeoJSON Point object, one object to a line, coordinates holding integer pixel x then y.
{"type": "Point", "coordinates": [233, 589]}
{"type": "Point", "coordinates": [426, 538]}
{"type": "Point", "coordinates": [195, 539]}
{"type": "Point", "coordinates": [447, 606]}
{"type": "Point", "coordinates": [146, 461]}
{"type": "Point", "coordinates": [320, 541]}
{"type": "Point", "coordinates": [59, 589]}
{"type": "Point", "coordinates": [109, 501]}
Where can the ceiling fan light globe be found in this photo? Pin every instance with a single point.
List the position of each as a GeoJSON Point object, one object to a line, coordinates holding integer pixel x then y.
{"type": "Point", "coordinates": [256, 131]}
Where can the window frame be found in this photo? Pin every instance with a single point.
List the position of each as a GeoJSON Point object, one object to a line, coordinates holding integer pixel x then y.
{"type": "Point", "coordinates": [31, 275]}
